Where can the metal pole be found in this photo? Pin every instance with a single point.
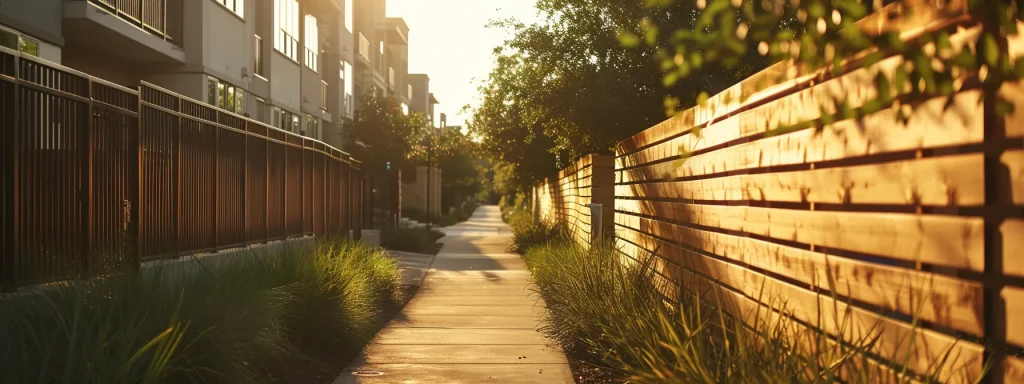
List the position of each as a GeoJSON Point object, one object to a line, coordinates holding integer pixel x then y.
{"type": "Point", "coordinates": [430, 148]}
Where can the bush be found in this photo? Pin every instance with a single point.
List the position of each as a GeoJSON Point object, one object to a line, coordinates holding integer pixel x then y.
{"type": "Point", "coordinates": [417, 240]}
{"type": "Point", "coordinates": [528, 232]}
{"type": "Point", "coordinates": [233, 321]}
{"type": "Point", "coordinates": [462, 213]}
{"type": "Point", "coordinates": [615, 316]}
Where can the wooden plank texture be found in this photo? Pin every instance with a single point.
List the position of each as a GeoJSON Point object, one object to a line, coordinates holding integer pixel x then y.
{"type": "Point", "coordinates": [943, 300]}
{"type": "Point", "coordinates": [951, 241]}
{"type": "Point", "coordinates": [918, 348]}
{"type": "Point", "coordinates": [937, 181]}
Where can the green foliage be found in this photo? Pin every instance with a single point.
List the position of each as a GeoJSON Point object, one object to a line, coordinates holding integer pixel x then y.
{"type": "Point", "coordinates": [416, 240]}
{"type": "Point", "coordinates": [380, 133]}
{"type": "Point", "coordinates": [615, 315]}
{"type": "Point", "coordinates": [238, 320]}
{"type": "Point", "coordinates": [460, 161]}
{"type": "Point", "coordinates": [528, 232]}
{"type": "Point", "coordinates": [566, 87]}
{"type": "Point", "coordinates": [461, 213]}
{"type": "Point", "coordinates": [821, 35]}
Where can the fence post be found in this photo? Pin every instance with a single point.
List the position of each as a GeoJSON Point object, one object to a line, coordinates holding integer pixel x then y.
{"type": "Point", "coordinates": [216, 186]}
{"type": "Point", "coordinates": [9, 255]}
{"type": "Point", "coordinates": [245, 185]}
{"type": "Point", "coordinates": [85, 194]}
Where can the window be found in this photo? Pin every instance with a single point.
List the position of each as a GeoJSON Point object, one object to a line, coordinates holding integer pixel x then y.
{"type": "Point", "coordinates": [236, 6]}
{"type": "Point", "coordinates": [286, 28]}
{"type": "Point", "coordinates": [391, 78]}
{"type": "Point", "coordinates": [382, 47]}
{"type": "Point", "coordinates": [312, 127]}
{"type": "Point", "coordinates": [323, 95]}
{"type": "Point", "coordinates": [350, 106]}
{"type": "Point", "coordinates": [18, 42]}
{"type": "Point", "coordinates": [261, 110]}
{"type": "Point", "coordinates": [364, 47]}
{"type": "Point", "coordinates": [312, 42]}
{"type": "Point", "coordinates": [348, 15]}
{"type": "Point", "coordinates": [405, 109]}
{"type": "Point", "coordinates": [410, 92]}
{"type": "Point", "coordinates": [225, 96]}
{"type": "Point", "coordinates": [258, 57]}
{"type": "Point", "coordinates": [285, 120]}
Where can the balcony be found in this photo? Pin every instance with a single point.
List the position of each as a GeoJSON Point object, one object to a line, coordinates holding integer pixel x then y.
{"type": "Point", "coordinates": [364, 49]}
{"type": "Point", "coordinates": [146, 31]}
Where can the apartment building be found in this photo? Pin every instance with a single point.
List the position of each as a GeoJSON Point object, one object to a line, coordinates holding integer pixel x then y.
{"type": "Point", "coordinates": [421, 99]}
{"type": "Point", "coordinates": [289, 63]}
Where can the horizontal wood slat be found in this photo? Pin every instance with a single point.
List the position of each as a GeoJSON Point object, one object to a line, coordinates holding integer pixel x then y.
{"type": "Point", "coordinates": [565, 198]}
{"type": "Point", "coordinates": [940, 181]}
{"type": "Point", "coordinates": [918, 346]}
{"type": "Point", "coordinates": [951, 241]}
{"type": "Point", "coordinates": [922, 219]}
{"type": "Point", "coordinates": [943, 300]}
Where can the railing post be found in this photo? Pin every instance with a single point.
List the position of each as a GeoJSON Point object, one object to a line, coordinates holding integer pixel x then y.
{"type": "Point", "coordinates": [85, 194]}
{"type": "Point", "coordinates": [137, 218]}
{"type": "Point", "coordinates": [266, 186]}
{"type": "Point", "coordinates": [245, 185]}
{"type": "Point", "coordinates": [177, 170]}
{"type": "Point", "coordinates": [216, 185]}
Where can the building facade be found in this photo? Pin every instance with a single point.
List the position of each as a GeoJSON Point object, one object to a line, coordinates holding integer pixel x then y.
{"type": "Point", "coordinates": [421, 99]}
{"type": "Point", "coordinates": [289, 63]}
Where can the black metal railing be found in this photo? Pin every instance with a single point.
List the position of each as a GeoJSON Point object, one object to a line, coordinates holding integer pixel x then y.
{"type": "Point", "coordinates": [154, 16]}
{"type": "Point", "coordinates": [97, 177]}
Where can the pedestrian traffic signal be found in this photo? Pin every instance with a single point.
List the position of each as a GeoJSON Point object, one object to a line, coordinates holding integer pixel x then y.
{"type": "Point", "coordinates": [389, 165]}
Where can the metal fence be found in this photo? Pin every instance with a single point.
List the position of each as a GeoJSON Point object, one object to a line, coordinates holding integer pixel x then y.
{"type": "Point", "coordinates": [97, 177]}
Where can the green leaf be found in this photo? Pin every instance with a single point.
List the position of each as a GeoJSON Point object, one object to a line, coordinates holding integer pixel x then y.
{"type": "Point", "coordinates": [696, 61]}
{"type": "Point", "coordinates": [702, 98]}
{"type": "Point", "coordinates": [657, 3]}
{"type": "Point", "coordinates": [651, 35]}
{"type": "Point", "coordinates": [1018, 67]}
{"type": "Point", "coordinates": [853, 9]}
{"type": "Point", "coordinates": [991, 49]}
{"type": "Point", "coordinates": [667, 64]}
{"type": "Point", "coordinates": [670, 79]}
{"type": "Point", "coordinates": [628, 39]}
{"type": "Point", "coordinates": [882, 85]}
{"type": "Point", "coordinates": [964, 59]}
{"type": "Point", "coordinates": [899, 79]}
{"type": "Point", "coordinates": [815, 10]}
{"type": "Point", "coordinates": [1003, 107]}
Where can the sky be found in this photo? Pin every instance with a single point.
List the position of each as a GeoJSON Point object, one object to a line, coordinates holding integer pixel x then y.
{"type": "Point", "coordinates": [449, 41]}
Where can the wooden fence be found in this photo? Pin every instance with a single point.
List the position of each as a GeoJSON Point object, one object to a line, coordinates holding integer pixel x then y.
{"type": "Point", "coordinates": [98, 176]}
{"type": "Point", "coordinates": [566, 197]}
{"type": "Point", "coordinates": [914, 230]}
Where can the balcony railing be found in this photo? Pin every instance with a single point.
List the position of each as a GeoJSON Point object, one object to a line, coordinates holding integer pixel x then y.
{"type": "Point", "coordinates": [151, 15]}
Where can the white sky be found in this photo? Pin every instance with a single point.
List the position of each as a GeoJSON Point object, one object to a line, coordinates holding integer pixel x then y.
{"type": "Point", "coordinates": [449, 42]}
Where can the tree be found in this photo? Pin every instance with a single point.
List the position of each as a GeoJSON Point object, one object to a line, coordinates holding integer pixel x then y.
{"type": "Point", "coordinates": [380, 134]}
{"type": "Point", "coordinates": [457, 156]}
{"type": "Point", "coordinates": [821, 35]}
{"type": "Point", "coordinates": [566, 87]}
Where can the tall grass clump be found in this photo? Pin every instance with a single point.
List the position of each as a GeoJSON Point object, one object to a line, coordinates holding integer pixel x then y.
{"type": "Point", "coordinates": [238, 319]}
{"type": "Point", "coordinates": [615, 315]}
{"type": "Point", "coordinates": [529, 232]}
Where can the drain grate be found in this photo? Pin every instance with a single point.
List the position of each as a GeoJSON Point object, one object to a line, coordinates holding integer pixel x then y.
{"type": "Point", "coordinates": [368, 373]}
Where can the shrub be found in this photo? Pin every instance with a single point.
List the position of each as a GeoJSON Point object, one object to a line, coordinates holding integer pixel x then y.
{"type": "Point", "coordinates": [417, 240]}
{"type": "Point", "coordinates": [232, 321]}
{"type": "Point", "coordinates": [528, 232]}
{"type": "Point", "coordinates": [616, 316]}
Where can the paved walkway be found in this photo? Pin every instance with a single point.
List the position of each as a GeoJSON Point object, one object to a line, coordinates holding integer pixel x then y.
{"type": "Point", "coordinates": [473, 320]}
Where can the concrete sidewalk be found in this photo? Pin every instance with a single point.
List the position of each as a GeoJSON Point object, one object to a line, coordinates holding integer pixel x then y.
{"type": "Point", "coordinates": [473, 320]}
